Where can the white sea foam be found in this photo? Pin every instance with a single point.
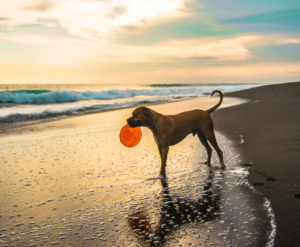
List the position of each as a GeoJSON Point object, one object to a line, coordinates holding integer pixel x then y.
{"type": "Point", "coordinates": [241, 174]}
{"type": "Point", "coordinates": [267, 206]}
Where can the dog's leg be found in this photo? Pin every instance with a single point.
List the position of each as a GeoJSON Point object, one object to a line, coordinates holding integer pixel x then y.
{"type": "Point", "coordinates": [206, 145]}
{"type": "Point", "coordinates": [210, 136]}
{"type": "Point", "coordinates": [164, 155]}
{"type": "Point", "coordinates": [159, 149]}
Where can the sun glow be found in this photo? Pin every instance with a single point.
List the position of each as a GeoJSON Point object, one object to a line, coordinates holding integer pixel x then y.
{"type": "Point", "coordinates": [88, 18]}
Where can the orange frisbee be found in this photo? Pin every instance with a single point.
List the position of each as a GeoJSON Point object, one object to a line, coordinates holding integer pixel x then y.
{"type": "Point", "coordinates": [130, 136]}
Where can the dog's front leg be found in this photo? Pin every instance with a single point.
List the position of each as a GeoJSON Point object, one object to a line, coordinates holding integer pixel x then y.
{"type": "Point", "coordinates": [164, 155]}
{"type": "Point", "coordinates": [160, 153]}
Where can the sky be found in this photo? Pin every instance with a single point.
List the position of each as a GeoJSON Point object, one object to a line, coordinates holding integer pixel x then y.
{"type": "Point", "coordinates": [149, 41]}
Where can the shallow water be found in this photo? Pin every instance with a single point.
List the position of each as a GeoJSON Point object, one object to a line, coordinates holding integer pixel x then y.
{"type": "Point", "coordinates": [81, 187]}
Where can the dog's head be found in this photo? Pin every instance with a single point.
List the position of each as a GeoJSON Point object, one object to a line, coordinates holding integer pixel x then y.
{"type": "Point", "coordinates": [141, 116]}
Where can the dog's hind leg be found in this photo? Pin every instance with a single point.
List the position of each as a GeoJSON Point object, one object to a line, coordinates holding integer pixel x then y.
{"type": "Point", "coordinates": [210, 136]}
{"type": "Point", "coordinates": [206, 145]}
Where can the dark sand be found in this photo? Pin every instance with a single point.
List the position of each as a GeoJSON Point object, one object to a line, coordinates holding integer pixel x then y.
{"type": "Point", "coordinates": [269, 125]}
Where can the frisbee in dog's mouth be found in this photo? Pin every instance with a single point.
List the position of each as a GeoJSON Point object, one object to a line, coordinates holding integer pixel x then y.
{"type": "Point", "coordinates": [130, 137]}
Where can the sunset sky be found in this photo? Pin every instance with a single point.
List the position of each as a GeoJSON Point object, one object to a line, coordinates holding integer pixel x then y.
{"type": "Point", "coordinates": [149, 41]}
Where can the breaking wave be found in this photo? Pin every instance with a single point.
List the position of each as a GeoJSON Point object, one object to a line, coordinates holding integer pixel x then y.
{"type": "Point", "coordinates": [60, 96]}
{"type": "Point", "coordinates": [58, 111]}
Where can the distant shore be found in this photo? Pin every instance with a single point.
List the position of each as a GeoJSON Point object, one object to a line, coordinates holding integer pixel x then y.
{"type": "Point", "coordinates": [269, 127]}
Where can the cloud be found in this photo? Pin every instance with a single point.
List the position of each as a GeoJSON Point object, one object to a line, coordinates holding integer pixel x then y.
{"type": "Point", "coordinates": [177, 50]}
{"type": "Point", "coordinates": [115, 11]}
{"type": "Point", "coordinates": [89, 18]}
{"type": "Point", "coordinates": [41, 6]}
{"type": "Point", "coordinates": [29, 39]}
{"type": "Point", "coordinates": [288, 41]}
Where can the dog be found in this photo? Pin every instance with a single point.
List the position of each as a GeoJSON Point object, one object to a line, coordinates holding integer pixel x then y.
{"type": "Point", "coordinates": [169, 130]}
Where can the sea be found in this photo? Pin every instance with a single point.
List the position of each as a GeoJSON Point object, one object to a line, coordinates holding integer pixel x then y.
{"type": "Point", "coordinates": [23, 102]}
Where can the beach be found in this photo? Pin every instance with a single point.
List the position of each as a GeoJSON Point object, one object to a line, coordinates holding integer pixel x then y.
{"type": "Point", "coordinates": [77, 75]}
{"type": "Point", "coordinates": [269, 126]}
{"type": "Point", "coordinates": [70, 182]}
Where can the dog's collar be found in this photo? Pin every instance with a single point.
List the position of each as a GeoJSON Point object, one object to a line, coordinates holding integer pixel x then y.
{"type": "Point", "coordinates": [153, 125]}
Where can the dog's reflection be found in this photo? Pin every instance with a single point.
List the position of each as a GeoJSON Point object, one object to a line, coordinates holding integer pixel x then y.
{"type": "Point", "coordinates": [175, 212]}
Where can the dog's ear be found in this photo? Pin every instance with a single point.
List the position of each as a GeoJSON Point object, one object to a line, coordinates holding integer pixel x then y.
{"type": "Point", "coordinates": [147, 112]}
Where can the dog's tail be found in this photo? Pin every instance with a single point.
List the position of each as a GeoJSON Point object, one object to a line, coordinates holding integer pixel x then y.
{"type": "Point", "coordinates": [217, 105]}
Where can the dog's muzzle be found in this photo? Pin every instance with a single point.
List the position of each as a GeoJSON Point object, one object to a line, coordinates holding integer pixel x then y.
{"type": "Point", "coordinates": [132, 123]}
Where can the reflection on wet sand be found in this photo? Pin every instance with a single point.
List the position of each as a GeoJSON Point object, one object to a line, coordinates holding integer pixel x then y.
{"type": "Point", "coordinates": [75, 184]}
{"type": "Point", "coordinates": [175, 212]}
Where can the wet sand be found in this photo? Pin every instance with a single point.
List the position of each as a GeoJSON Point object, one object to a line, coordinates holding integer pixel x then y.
{"type": "Point", "coordinates": [269, 125]}
{"type": "Point", "coordinates": [71, 183]}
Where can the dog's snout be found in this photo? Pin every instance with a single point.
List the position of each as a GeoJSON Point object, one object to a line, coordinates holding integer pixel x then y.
{"type": "Point", "coordinates": [130, 122]}
{"type": "Point", "coordinates": [133, 123]}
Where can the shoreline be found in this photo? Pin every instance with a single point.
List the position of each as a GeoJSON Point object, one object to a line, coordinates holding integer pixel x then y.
{"type": "Point", "coordinates": [269, 125]}
{"type": "Point", "coordinates": [8, 127]}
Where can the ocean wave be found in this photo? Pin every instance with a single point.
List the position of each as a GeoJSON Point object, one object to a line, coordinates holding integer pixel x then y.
{"type": "Point", "coordinates": [61, 96]}
{"type": "Point", "coordinates": [50, 112]}
{"type": "Point", "coordinates": [27, 91]}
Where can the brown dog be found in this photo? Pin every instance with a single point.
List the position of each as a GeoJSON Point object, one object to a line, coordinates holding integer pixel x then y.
{"type": "Point", "coordinates": [169, 130]}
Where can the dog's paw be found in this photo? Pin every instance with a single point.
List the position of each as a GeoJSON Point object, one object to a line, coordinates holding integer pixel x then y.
{"type": "Point", "coordinates": [160, 177]}
{"type": "Point", "coordinates": [206, 163]}
{"type": "Point", "coordinates": [222, 167]}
